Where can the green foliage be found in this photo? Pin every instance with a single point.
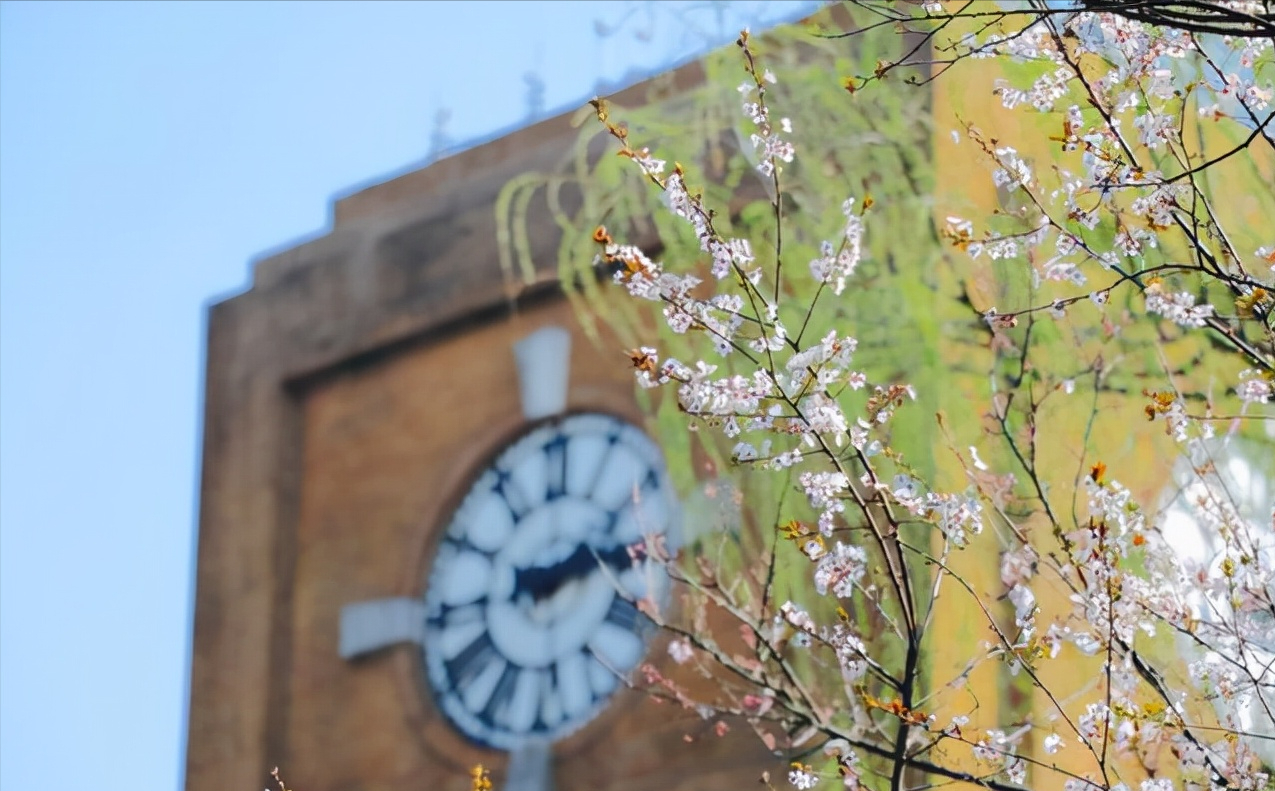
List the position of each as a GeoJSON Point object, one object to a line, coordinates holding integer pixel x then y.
{"type": "Point", "coordinates": [849, 146]}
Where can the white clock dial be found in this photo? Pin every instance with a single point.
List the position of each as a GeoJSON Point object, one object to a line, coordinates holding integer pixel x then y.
{"type": "Point", "coordinates": [530, 606]}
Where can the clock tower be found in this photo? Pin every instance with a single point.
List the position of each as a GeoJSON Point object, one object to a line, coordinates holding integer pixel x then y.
{"type": "Point", "coordinates": [423, 502]}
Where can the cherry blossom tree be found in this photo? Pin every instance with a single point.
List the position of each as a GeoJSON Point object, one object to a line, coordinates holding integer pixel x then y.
{"type": "Point", "coordinates": [980, 491]}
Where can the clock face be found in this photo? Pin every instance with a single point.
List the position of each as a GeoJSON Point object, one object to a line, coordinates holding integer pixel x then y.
{"type": "Point", "coordinates": [531, 616]}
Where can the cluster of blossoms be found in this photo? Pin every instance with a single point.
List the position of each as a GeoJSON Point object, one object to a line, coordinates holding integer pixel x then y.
{"type": "Point", "coordinates": [796, 626]}
{"type": "Point", "coordinates": [1159, 206]}
{"type": "Point", "coordinates": [680, 651]}
{"type": "Point", "coordinates": [1254, 388]}
{"type": "Point", "coordinates": [826, 492]}
{"type": "Point", "coordinates": [795, 622]}
{"type": "Point", "coordinates": [1001, 748]}
{"type": "Point", "coordinates": [729, 255]}
{"type": "Point", "coordinates": [957, 516]}
{"type": "Point", "coordinates": [840, 570]}
{"type": "Point", "coordinates": [852, 652]}
{"type": "Point", "coordinates": [1103, 607]}
{"type": "Point", "coordinates": [834, 265]}
{"type": "Point", "coordinates": [802, 776]}
{"type": "Point", "coordinates": [772, 148]}
{"type": "Point", "coordinates": [1180, 307]}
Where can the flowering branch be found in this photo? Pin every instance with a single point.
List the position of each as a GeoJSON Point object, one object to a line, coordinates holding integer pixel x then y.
{"type": "Point", "coordinates": [851, 560]}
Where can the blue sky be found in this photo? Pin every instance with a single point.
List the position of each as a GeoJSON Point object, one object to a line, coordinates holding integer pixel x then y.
{"type": "Point", "coordinates": [148, 153]}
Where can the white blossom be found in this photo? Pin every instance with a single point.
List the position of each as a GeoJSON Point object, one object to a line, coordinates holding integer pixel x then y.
{"type": "Point", "coordinates": [802, 777]}
{"type": "Point", "coordinates": [680, 651]}
{"type": "Point", "coordinates": [840, 570]}
{"type": "Point", "coordinates": [1179, 307]}
{"type": "Point", "coordinates": [1253, 387]}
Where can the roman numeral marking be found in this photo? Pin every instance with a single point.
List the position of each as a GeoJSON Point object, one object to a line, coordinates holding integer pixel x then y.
{"type": "Point", "coordinates": [498, 704]}
{"type": "Point", "coordinates": [472, 660]}
{"type": "Point", "coordinates": [513, 495]}
{"type": "Point", "coordinates": [602, 468]}
{"type": "Point", "coordinates": [556, 467]}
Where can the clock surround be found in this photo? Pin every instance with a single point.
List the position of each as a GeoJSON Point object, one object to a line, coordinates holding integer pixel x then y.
{"type": "Point", "coordinates": [341, 426]}
{"type": "Point", "coordinates": [531, 605]}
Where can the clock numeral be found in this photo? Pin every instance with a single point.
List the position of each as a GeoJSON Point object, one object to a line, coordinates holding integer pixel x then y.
{"type": "Point", "coordinates": [556, 467]}
{"type": "Point", "coordinates": [550, 713]}
{"type": "Point", "coordinates": [602, 679]}
{"type": "Point", "coordinates": [608, 460]}
{"type": "Point", "coordinates": [573, 684]}
{"type": "Point", "coordinates": [456, 545]}
{"type": "Point", "coordinates": [463, 577]}
{"type": "Point", "coordinates": [484, 521]}
{"type": "Point", "coordinates": [472, 660]}
{"type": "Point", "coordinates": [523, 710]}
{"type": "Point", "coordinates": [513, 496]}
{"type": "Point", "coordinates": [616, 647]}
{"type": "Point", "coordinates": [498, 704]}
{"type": "Point", "coordinates": [619, 478]}
{"type": "Point", "coordinates": [647, 513]}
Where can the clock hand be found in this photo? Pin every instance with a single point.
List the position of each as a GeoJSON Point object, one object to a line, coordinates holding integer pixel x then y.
{"type": "Point", "coordinates": [544, 581]}
{"type": "Point", "coordinates": [616, 556]}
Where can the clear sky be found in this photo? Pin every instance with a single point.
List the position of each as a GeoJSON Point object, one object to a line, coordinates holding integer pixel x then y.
{"type": "Point", "coordinates": [148, 153]}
